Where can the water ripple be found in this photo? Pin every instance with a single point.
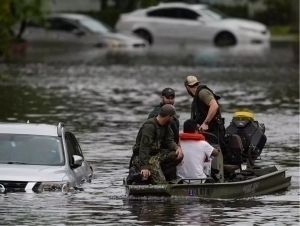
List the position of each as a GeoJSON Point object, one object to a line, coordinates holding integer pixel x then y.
{"type": "Point", "coordinates": [106, 104]}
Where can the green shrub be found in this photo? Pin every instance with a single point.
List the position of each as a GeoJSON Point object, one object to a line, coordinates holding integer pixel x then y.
{"type": "Point", "coordinates": [109, 16]}
{"type": "Point", "coordinates": [280, 30]}
{"type": "Point", "coordinates": [148, 3]}
{"type": "Point", "coordinates": [14, 12]}
{"type": "Point", "coordinates": [238, 11]}
{"type": "Point", "coordinates": [277, 12]}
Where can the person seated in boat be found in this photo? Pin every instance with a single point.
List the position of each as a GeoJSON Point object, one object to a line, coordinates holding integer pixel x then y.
{"type": "Point", "coordinates": [147, 152]}
{"type": "Point", "coordinates": [167, 97]}
{"type": "Point", "coordinates": [196, 150]}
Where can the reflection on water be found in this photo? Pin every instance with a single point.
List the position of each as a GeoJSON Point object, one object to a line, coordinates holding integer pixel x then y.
{"type": "Point", "coordinates": [105, 104]}
{"type": "Point", "coordinates": [169, 54]}
{"type": "Point", "coordinates": [198, 212]}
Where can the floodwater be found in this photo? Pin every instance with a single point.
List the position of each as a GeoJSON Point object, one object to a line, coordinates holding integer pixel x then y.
{"type": "Point", "coordinates": [104, 101]}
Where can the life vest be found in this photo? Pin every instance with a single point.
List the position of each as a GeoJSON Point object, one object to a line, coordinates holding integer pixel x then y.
{"type": "Point", "coordinates": [191, 136]}
{"type": "Point", "coordinates": [200, 109]}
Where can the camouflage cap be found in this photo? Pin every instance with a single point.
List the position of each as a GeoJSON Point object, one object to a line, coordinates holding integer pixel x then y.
{"type": "Point", "coordinates": [169, 109]}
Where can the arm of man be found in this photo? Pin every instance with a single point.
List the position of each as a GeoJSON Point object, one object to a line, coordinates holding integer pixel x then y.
{"type": "Point", "coordinates": [213, 108]}
{"type": "Point", "coordinates": [148, 136]}
{"type": "Point", "coordinates": [155, 112]}
{"type": "Point", "coordinates": [171, 144]}
{"type": "Point", "coordinates": [210, 150]}
{"type": "Point", "coordinates": [215, 152]}
{"type": "Point", "coordinates": [169, 139]}
{"type": "Point", "coordinates": [208, 98]}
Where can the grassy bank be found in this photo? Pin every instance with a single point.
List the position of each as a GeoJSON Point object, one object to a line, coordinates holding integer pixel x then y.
{"type": "Point", "coordinates": [280, 30]}
{"type": "Point", "coordinates": [283, 33]}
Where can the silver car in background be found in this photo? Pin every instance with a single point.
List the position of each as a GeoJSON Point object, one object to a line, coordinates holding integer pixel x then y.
{"type": "Point", "coordinates": [40, 157]}
{"type": "Point", "coordinates": [77, 31]}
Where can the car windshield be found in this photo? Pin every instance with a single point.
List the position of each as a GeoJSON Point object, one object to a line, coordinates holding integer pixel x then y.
{"type": "Point", "coordinates": [31, 150]}
{"type": "Point", "coordinates": [95, 26]}
{"type": "Point", "coordinates": [213, 13]}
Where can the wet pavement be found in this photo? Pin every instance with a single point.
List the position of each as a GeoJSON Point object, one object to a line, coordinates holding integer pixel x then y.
{"type": "Point", "coordinates": [104, 100]}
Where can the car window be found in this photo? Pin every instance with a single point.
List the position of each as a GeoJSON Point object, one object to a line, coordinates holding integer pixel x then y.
{"type": "Point", "coordinates": [213, 13]}
{"type": "Point", "coordinates": [77, 146]}
{"type": "Point", "coordinates": [166, 12]}
{"type": "Point", "coordinates": [30, 150]}
{"type": "Point", "coordinates": [72, 145]}
{"type": "Point", "coordinates": [188, 14]}
{"type": "Point", "coordinates": [95, 26]}
{"type": "Point", "coordinates": [60, 25]}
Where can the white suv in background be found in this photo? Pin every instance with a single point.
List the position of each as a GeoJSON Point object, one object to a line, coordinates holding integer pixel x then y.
{"type": "Point", "coordinates": [191, 22]}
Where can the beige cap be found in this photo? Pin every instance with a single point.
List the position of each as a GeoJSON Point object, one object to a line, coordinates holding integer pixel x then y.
{"type": "Point", "coordinates": [169, 109]}
{"type": "Point", "coordinates": [191, 80]}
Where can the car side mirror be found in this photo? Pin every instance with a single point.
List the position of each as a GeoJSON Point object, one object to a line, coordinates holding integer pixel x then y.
{"type": "Point", "coordinates": [78, 160]}
{"type": "Point", "coordinates": [78, 32]}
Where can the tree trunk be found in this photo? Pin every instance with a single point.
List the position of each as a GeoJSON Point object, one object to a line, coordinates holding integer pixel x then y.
{"type": "Point", "coordinates": [21, 30]}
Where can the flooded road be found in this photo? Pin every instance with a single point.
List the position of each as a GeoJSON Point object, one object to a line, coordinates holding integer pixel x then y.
{"type": "Point", "coordinates": [105, 103]}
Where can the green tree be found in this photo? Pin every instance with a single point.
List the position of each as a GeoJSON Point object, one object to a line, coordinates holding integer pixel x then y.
{"type": "Point", "coordinates": [14, 14]}
{"type": "Point", "coordinates": [277, 12]}
{"type": "Point", "coordinates": [6, 24]}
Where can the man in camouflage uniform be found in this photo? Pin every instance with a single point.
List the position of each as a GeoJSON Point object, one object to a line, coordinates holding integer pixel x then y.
{"type": "Point", "coordinates": [147, 152]}
{"type": "Point", "coordinates": [168, 97]}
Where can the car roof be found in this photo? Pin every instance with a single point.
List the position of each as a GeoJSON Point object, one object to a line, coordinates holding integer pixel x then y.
{"type": "Point", "coordinates": [71, 16]}
{"type": "Point", "coordinates": [28, 128]}
{"type": "Point", "coordinates": [163, 5]}
{"type": "Point", "coordinates": [181, 4]}
{"type": "Point", "coordinates": [198, 6]}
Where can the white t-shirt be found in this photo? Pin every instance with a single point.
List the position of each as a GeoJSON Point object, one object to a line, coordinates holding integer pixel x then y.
{"type": "Point", "coordinates": [195, 152]}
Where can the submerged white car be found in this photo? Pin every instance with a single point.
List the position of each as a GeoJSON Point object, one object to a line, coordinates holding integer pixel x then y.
{"type": "Point", "coordinates": [40, 157]}
{"type": "Point", "coordinates": [191, 22]}
{"type": "Point", "coordinates": [75, 31]}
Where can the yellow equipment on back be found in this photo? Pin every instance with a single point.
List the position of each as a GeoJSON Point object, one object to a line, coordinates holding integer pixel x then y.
{"type": "Point", "coordinates": [244, 113]}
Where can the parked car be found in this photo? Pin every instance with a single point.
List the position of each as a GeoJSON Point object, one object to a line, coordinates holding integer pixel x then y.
{"type": "Point", "coordinates": [40, 157]}
{"type": "Point", "coordinates": [74, 31]}
{"type": "Point", "coordinates": [191, 22]}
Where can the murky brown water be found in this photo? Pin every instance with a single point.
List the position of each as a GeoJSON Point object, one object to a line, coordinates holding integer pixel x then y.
{"type": "Point", "coordinates": [104, 104]}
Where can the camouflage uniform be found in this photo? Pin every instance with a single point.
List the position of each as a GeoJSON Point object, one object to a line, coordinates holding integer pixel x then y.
{"type": "Point", "coordinates": [174, 124]}
{"type": "Point", "coordinates": [168, 168]}
{"type": "Point", "coordinates": [148, 153]}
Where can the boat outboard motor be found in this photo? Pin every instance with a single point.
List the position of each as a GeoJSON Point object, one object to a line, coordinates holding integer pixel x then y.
{"type": "Point", "coordinates": [251, 132]}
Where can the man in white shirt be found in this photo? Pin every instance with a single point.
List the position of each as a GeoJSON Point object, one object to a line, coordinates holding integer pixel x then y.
{"type": "Point", "coordinates": [195, 150]}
